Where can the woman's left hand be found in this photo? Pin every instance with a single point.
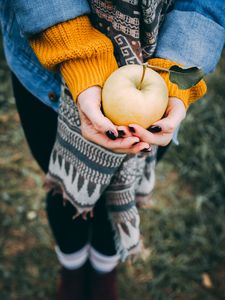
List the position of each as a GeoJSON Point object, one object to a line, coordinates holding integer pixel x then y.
{"type": "Point", "coordinates": [174, 115]}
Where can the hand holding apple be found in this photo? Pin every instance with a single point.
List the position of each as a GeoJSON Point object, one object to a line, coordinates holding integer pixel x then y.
{"type": "Point", "coordinates": [95, 127]}
{"type": "Point", "coordinates": [174, 115]}
{"type": "Point", "coordinates": [140, 99]}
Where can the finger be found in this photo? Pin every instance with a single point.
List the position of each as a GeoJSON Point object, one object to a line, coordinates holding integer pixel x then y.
{"type": "Point", "coordinates": [161, 138]}
{"type": "Point", "coordinates": [176, 112]}
{"type": "Point", "coordinates": [100, 122]}
{"type": "Point", "coordinates": [83, 118]}
{"type": "Point", "coordinates": [136, 148]}
{"type": "Point", "coordinates": [168, 124]}
{"type": "Point", "coordinates": [104, 141]}
{"type": "Point", "coordinates": [122, 143]}
{"type": "Point", "coordinates": [123, 131]}
{"type": "Point", "coordinates": [141, 146]}
{"type": "Point", "coordinates": [143, 134]}
{"type": "Point", "coordinates": [165, 125]}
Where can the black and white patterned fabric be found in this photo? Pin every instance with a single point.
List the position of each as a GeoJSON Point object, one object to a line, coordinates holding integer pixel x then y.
{"type": "Point", "coordinates": [82, 171]}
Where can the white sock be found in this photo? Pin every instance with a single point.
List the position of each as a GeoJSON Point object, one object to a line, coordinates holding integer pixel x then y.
{"type": "Point", "coordinates": [74, 260]}
{"type": "Point", "coordinates": [103, 263]}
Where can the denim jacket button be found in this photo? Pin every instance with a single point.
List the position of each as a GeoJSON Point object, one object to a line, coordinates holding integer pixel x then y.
{"type": "Point", "coordinates": [52, 96]}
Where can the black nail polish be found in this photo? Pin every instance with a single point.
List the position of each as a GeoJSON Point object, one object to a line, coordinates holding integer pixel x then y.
{"type": "Point", "coordinates": [131, 129]}
{"type": "Point", "coordinates": [111, 135]}
{"type": "Point", "coordinates": [155, 129]}
{"type": "Point", "coordinates": [121, 133]}
{"type": "Point", "coordinates": [147, 149]}
{"type": "Point", "coordinates": [135, 143]}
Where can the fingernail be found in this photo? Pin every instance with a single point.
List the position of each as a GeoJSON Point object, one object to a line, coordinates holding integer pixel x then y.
{"type": "Point", "coordinates": [121, 133]}
{"type": "Point", "coordinates": [155, 129]}
{"type": "Point", "coordinates": [111, 135]}
{"type": "Point", "coordinates": [147, 149]}
{"type": "Point", "coordinates": [131, 129]}
{"type": "Point", "coordinates": [135, 143]}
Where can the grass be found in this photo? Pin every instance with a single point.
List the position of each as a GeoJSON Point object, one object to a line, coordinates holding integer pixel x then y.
{"type": "Point", "coordinates": [184, 231]}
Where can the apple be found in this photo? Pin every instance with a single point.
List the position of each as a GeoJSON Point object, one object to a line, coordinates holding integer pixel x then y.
{"type": "Point", "coordinates": [134, 94]}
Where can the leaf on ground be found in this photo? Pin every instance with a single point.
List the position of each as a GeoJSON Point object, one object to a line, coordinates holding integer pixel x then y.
{"type": "Point", "coordinates": [206, 281]}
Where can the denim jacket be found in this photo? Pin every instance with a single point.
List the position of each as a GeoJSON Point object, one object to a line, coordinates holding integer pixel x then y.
{"type": "Point", "coordinates": [193, 33]}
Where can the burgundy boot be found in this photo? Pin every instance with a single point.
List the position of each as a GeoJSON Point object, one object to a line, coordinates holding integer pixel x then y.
{"type": "Point", "coordinates": [104, 285]}
{"type": "Point", "coordinates": [72, 284]}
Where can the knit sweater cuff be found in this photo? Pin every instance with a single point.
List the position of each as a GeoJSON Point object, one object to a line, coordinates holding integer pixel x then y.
{"type": "Point", "coordinates": [188, 96]}
{"type": "Point", "coordinates": [84, 54]}
{"type": "Point", "coordinates": [81, 74]}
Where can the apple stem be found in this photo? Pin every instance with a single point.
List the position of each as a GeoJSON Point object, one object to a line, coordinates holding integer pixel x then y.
{"type": "Point", "coordinates": [143, 75]}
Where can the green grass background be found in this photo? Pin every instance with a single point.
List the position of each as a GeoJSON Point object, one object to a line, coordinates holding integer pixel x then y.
{"type": "Point", "coordinates": [183, 231]}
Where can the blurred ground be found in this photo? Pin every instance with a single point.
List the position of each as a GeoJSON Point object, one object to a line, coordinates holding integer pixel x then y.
{"type": "Point", "coordinates": [184, 231]}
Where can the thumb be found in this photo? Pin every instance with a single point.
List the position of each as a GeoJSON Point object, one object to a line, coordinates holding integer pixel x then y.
{"type": "Point", "coordinates": [101, 123]}
{"type": "Point", "coordinates": [165, 125]}
{"type": "Point", "coordinates": [89, 102]}
{"type": "Point", "coordinates": [175, 114]}
{"type": "Point", "coordinates": [97, 120]}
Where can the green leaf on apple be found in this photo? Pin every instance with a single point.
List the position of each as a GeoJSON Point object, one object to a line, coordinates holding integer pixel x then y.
{"type": "Point", "coordinates": [185, 78]}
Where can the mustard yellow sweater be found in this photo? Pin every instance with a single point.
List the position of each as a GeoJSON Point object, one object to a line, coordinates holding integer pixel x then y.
{"type": "Point", "coordinates": [85, 58]}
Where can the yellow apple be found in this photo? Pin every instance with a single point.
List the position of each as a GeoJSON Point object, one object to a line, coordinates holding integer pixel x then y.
{"type": "Point", "coordinates": [125, 101]}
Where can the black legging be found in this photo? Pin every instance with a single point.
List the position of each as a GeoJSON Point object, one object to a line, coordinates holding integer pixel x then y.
{"type": "Point", "coordinates": [39, 123]}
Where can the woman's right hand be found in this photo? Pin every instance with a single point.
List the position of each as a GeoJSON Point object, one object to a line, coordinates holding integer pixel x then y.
{"type": "Point", "coordinates": [98, 129]}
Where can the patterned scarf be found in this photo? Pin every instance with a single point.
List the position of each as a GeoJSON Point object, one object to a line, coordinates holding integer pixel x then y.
{"type": "Point", "coordinates": [83, 171]}
{"type": "Point", "coordinates": [132, 26]}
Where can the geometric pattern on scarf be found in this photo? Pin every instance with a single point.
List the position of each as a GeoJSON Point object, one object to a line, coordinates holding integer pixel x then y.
{"type": "Point", "coordinates": [132, 26]}
{"type": "Point", "coordinates": [83, 171]}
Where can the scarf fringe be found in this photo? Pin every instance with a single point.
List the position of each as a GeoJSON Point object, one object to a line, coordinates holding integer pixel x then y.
{"type": "Point", "coordinates": [122, 251]}
{"type": "Point", "coordinates": [56, 186]}
{"type": "Point", "coordinates": [82, 171]}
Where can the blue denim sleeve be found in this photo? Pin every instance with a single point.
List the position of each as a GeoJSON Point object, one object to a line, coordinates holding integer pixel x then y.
{"type": "Point", "coordinates": [193, 33]}
{"type": "Point", "coordinates": [34, 16]}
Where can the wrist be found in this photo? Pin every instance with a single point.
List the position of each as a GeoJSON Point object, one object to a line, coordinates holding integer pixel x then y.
{"type": "Point", "coordinates": [91, 93]}
{"type": "Point", "coordinates": [174, 101]}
